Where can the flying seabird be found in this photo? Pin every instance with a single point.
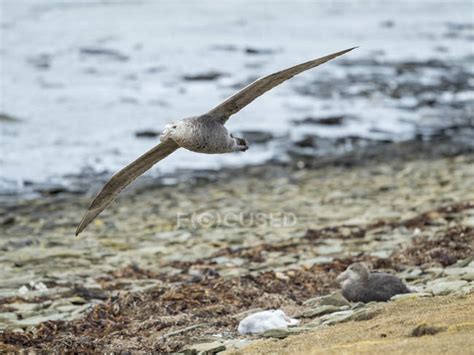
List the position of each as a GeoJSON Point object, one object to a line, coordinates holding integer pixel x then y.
{"type": "Point", "coordinates": [202, 134]}
{"type": "Point", "coordinates": [360, 285]}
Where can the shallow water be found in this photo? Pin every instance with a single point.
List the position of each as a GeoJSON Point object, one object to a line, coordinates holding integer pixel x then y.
{"type": "Point", "coordinates": [83, 77]}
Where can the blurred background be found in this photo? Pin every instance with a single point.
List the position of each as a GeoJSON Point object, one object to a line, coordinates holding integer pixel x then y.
{"type": "Point", "coordinates": [86, 86]}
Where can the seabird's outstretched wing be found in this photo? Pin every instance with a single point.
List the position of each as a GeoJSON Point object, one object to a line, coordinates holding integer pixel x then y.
{"type": "Point", "coordinates": [238, 101]}
{"type": "Point", "coordinates": [123, 178]}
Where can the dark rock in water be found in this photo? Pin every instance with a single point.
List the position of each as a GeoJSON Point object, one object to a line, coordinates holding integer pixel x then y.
{"type": "Point", "coordinates": [387, 24]}
{"type": "Point", "coordinates": [257, 137]}
{"type": "Point", "coordinates": [147, 133]}
{"type": "Point", "coordinates": [306, 142]}
{"type": "Point", "coordinates": [251, 50]}
{"type": "Point", "coordinates": [7, 220]}
{"type": "Point", "coordinates": [328, 121]}
{"type": "Point", "coordinates": [360, 285]}
{"type": "Point", "coordinates": [104, 52]}
{"type": "Point", "coordinates": [88, 293]}
{"type": "Point", "coordinates": [209, 76]}
{"type": "Point", "coordinates": [47, 189]}
{"type": "Point", "coordinates": [224, 47]}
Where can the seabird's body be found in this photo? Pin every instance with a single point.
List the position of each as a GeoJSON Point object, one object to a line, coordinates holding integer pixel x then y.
{"type": "Point", "coordinates": [360, 285]}
{"type": "Point", "coordinates": [201, 134]}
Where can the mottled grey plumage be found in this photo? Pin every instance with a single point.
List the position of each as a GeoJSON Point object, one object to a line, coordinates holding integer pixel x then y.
{"type": "Point", "coordinates": [202, 134]}
{"type": "Point", "coordinates": [360, 285]}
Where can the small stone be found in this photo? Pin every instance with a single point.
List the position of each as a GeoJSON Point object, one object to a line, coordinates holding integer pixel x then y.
{"type": "Point", "coordinates": [335, 299]}
{"type": "Point", "coordinates": [281, 276]}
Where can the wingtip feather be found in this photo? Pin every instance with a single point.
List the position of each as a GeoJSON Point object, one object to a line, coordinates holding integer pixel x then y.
{"type": "Point", "coordinates": [86, 220]}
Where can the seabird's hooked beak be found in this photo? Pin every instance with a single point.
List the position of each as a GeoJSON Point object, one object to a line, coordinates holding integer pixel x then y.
{"type": "Point", "coordinates": [343, 276]}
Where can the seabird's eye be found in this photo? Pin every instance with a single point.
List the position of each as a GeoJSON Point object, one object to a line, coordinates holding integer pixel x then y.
{"type": "Point", "coordinates": [174, 126]}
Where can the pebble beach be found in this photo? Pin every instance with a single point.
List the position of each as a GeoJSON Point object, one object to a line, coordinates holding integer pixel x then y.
{"type": "Point", "coordinates": [369, 158]}
{"type": "Point", "coordinates": [139, 281]}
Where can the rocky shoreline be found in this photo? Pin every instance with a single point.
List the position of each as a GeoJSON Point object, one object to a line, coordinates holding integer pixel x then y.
{"type": "Point", "coordinates": [167, 269]}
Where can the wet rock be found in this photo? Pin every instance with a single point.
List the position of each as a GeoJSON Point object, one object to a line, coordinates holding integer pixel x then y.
{"type": "Point", "coordinates": [104, 53]}
{"type": "Point", "coordinates": [147, 133]}
{"type": "Point", "coordinates": [326, 121]}
{"type": "Point", "coordinates": [155, 69]}
{"type": "Point", "coordinates": [208, 76]}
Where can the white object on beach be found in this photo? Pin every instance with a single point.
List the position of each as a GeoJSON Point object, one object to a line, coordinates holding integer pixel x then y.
{"type": "Point", "coordinates": [266, 320]}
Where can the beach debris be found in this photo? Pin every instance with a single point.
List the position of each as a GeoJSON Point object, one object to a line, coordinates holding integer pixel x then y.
{"type": "Point", "coordinates": [426, 329]}
{"type": "Point", "coordinates": [262, 321]}
{"type": "Point", "coordinates": [336, 120]}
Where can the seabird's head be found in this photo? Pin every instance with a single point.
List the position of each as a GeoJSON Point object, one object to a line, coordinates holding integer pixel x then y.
{"type": "Point", "coordinates": [355, 272]}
